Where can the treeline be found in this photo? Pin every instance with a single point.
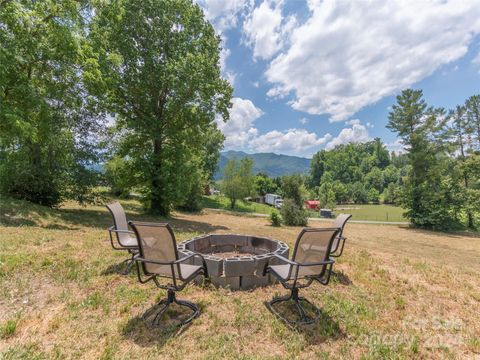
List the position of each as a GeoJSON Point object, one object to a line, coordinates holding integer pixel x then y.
{"type": "Point", "coordinates": [357, 173]}
{"type": "Point", "coordinates": [442, 186]}
{"type": "Point", "coordinates": [437, 178]}
{"type": "Point", "coordinates": [67, 68]}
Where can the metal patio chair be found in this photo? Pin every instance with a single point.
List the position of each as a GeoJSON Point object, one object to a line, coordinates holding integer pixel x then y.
{"type": "Point", "coordinates": [158, 258]}
{"type": "Point", "coordinates": [125, 238]}
{"type": "Point", "coordinates": [339, 223]}
{"type": "Point", "coordinates": [310, 261]}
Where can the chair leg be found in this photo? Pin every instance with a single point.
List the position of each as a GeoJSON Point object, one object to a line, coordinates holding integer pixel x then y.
{"type": "Point", "coordinates": [171, 298]}
{"type": "Point", "coordinates": [302, 314]}
{"type": "Point", "coordinates": [130, 262]}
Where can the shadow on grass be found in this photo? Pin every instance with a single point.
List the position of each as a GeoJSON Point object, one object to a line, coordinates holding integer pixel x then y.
{"type": "Point", "coordinates": [119, 268]}
{"type": "Point", "coordinates": [16, 213]}
{"type": "Point", "coordinates": [323, 329]}
{"type": "Point", "coordinates": [143, 333]}
{"type": "Point", "coordinates": [341, 278]}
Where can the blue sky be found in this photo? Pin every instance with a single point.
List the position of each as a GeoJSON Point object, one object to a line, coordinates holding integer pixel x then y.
{"type": "Point", "coordinates": [313, 74]}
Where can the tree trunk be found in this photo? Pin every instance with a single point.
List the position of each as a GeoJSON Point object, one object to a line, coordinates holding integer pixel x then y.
{"type": "Point", "coordinates": [157, 202]}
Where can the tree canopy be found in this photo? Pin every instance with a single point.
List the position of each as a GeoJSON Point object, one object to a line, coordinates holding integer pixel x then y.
{"type": "Point", "coordinates": [159, 74]}
{"type": "Point", "coordinates": [46, 118]}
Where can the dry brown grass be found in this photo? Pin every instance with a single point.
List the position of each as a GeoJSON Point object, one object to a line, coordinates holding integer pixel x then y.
{"type": "Point", "coordinates": [400, 293]}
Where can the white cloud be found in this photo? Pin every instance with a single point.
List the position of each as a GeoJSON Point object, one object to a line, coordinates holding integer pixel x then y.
{"type": "Point", "coordinates": [241, 134]}
{"type": "Point", "coordinates": [358, 133]}
{"type": "Point", "coordinates": [396, 146]}
{"type": "Point", "coordinates": [348, 55]}
{"type": "Point", "coordinates": [476, 60]}
{"type": "Point", "coordinates": [264, 31]}
{"type": "Point", "coordinates": [224, 14]}
{"type": "Point", "coordinates": [303, 121]}
{"type": "Point", "coordinates": [239, 130]}
{"type": "Point", "coordinates": [292, 141]}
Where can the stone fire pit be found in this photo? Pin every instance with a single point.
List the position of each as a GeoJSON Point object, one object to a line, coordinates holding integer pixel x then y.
{"type": "Point", "coordinates": [235, 261]}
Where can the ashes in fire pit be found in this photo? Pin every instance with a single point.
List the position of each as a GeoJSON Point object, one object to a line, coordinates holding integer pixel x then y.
{"type": "Point", "coordinates": [236, 261]}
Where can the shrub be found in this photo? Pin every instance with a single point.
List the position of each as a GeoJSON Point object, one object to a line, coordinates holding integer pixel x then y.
{"type": "Point", "coordinates": [275, 219]}
{"type": "Point", "coordinates": [292, 214]}
{"type": "Point", "coordinates": [193, 201]}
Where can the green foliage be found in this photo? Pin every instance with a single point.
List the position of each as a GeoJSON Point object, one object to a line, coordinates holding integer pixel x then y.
{"type": "Point", "coordinates": [438, 189]}
{"type": "Point", "coordinates": [341, 192]}
{"type": "Point", "coordinates": [8, 328]}
{"type": "Point", "coordinates": [373, 196]}
{"type": "Point", "coordinates": [293, 188]}
{"type": "Point", "coordinates": [374, 179]}
{"type": "Point", "coordinates": [292, 214]}
{"type": "Point", "coordinates": [358, 193]}
{"type": "Point", "coordinates": [46, 116]}
{"type": "Point", "coordinates": [238, 180]}
{"type": "Point", "coordinates": [327, 195]}
{"type": "Point", "coordinates": [270, 164]}
{"type": "Point", "coordinates": [390, 194]}
{"type": "Point", "coordinates": [157, 68]}
{"type": "Point", "coordinates": [194, 199]}
{"type": "Point", "coordinates": [354, 169]}
{"type": "Point", "coordinates": [119, 176]}
{"type": "Point", "coordinates": [275, 219]}
{"type": "Point", "coordinates": [264, 185]}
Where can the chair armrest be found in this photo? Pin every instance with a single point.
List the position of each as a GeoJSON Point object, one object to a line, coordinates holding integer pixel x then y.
{"type": "Point", "coordinates": [155, 261]}
{"type": "Point", "coordinates": [119, 246]}
{"type": "Point", "coordinates": [204, 263]}
{"type": "Point", "coordinates": [326, 262]}
{"type": "Point", "coordinates": [336, 252]}
{"type": "Point", "coordinates": [298, 265]}
{"type": "Point", "coordinates": [173, 263]}
{"type": "Point", "coordinates": [112, 229]}
{"type": "Point", "coordinates": [284, 259]}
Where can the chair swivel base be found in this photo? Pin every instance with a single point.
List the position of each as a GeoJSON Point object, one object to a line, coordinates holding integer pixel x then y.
{"type": "Point", "coordinates": [303, 318]}
{"type": "Point", "coordinates": [165, 303]}
{"type": "Point", "coordinates": [130, 262]}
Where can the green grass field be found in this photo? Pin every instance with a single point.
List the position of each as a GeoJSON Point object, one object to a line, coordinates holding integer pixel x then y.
{"type": "Point", "coordinates": [221, 202]}
{"type": "Point", "coordinates": [399, 293]}
{"type": "Point", "coordinates": [372, 212]}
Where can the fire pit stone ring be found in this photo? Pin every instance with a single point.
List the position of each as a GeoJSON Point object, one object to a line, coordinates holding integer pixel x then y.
{"type": "Point", "coordinates": [235, 261]}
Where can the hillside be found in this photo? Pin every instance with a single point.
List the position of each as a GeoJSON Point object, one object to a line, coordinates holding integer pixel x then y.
{"type": "Point", "coordinates": [269, 163]}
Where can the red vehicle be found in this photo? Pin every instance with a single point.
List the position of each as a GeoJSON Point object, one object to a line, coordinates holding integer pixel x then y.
{"type": "Point", "coordinates": [312, 204]}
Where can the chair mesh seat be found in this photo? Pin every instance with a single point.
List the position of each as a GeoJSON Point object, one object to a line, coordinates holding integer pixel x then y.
{"type": "Point", "coordinates": [129, 241]}
{"type": "Point", "coordinates": [186, 270]}
{"type": "Point", "coordinates": [120, 221]}
{"type": "Point", "coordinates": [282, 271]}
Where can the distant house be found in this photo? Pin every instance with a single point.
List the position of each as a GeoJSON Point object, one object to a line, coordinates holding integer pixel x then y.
{"type": "Point", "coordinates": [312, 204]}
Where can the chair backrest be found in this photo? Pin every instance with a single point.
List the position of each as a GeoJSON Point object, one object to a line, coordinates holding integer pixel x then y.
{"type": "Point", "coordinates": [156, 242]}
{"type": "Point", "coordinates": [314, 245]}
{"type": "Point", "coordinates": [340, 222]}
{"type": "Point", "coordinates": [119, 221]}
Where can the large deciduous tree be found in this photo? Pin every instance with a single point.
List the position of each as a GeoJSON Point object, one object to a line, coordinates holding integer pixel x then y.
{"type": "Point", "coordinates": [158, 66]}
{"type": "Point", "coordinates": [45, 115]}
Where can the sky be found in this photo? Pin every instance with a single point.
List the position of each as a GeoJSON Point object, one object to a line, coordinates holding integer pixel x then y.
{"type": "Point", "coordinates": [311, 74]}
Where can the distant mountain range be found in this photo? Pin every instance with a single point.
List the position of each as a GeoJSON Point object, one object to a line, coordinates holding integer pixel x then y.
{"type": "Point", "coordinates": [269, 163]}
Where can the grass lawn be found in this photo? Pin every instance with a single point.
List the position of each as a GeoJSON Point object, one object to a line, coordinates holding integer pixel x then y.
{"type": "Point", "coordinates": [221, 202]}
{"type": "Point", "coordinates": [399, 293]}
{"type": "Point", "coordinates": [379, 212]}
